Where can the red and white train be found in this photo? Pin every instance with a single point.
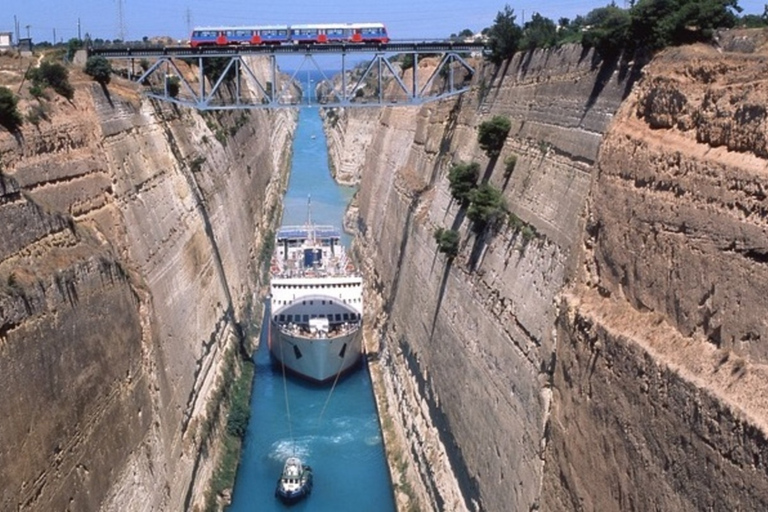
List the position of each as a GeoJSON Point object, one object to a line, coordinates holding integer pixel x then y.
{"type": "Point", "coordinates": [290, 34]}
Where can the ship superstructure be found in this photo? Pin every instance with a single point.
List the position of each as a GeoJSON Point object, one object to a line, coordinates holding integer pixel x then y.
{"type": "Point", "coordinates": [316, 303]}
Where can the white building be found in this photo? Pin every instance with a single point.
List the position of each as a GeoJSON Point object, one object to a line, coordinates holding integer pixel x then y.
{"type": "Point", "coordinates": [6, 39]}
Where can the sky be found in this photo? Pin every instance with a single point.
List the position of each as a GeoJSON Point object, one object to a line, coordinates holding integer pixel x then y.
{"type": "Point", "coordinates": [405, 19]}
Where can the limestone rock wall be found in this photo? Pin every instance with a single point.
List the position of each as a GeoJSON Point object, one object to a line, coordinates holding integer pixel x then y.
{"type": "Point", "coordinates": [662, 339]}
{"type": "Point", "coordinates": [466, 346]}
{"type": "Point", "coordinates": [130, 238]}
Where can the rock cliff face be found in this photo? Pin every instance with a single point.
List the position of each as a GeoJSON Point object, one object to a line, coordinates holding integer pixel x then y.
{"type": "Point", "coordinates": [662, 340]}
{"type": "Point", "coordinates": [128, 266]}
{"type": "Point", "coordinates": [468, 344]}
{"type": "Point", "coordinates": [613, 352]}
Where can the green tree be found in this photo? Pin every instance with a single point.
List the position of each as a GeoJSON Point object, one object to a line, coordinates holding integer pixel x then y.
{"type": "Point", "coordinates": [10, 117]}
{"type": "Point", "coordinates": [504, 36]}
{"type": "Point", "coordinates": [73, 45]}
{"type": "Point", "coordinates": [53, 75]}
{"type": "Point", "coordinates": [447, 241]}
{"type": "Point", "coordinates": [660, 23]}
{"type": "Point", "coordinates": [99, 69]}
{"type": "Point", "coordinates": [486, 208]}
{"type": "Point", "coordinates": [463, 179]}
{"type": "Point", "coordinates": [492, 134]}
{"type": "Point", "coordinates": [174, 85]}
{"type": "Point", "coordinates": [539, 32]}
{"type": "Point", "coordinates": [609, 29]}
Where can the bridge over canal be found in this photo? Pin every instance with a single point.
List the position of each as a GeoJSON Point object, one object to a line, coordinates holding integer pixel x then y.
{"type": "Point", "coordinates": [375, 79]}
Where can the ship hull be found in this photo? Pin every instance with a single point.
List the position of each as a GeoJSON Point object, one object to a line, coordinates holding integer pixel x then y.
{"type": "Point", "coordinates": [317, 360]}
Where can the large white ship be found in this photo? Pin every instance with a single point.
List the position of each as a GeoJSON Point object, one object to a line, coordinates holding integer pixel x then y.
{"type": "Point", "coordinates": [316, 303]}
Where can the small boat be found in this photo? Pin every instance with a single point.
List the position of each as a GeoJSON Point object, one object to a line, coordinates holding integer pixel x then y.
{"type": "Point", "coordinates": [296, 481]}
{"type": "Point", "coordinates": [312, 136]}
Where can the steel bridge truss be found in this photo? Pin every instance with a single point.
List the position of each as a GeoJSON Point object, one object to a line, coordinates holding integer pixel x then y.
{"type": "Point", "coordinates": [379, 83]}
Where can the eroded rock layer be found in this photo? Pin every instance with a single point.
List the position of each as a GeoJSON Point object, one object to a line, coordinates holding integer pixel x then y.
{"type": "Point", "coordinates": [604, 350]}
{"type": "Point", "coordinates": [661, 344]}
{"type": "Point", "coordinates": [130, 238]}
{"type": "Point", "coordinates": [468, 344]}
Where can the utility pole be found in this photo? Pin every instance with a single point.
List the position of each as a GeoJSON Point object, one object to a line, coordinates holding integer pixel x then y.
{"type": "Point", "coordinates": [28, 30]}
{"type": "Point", "coordinates": [120, 21]}
{"type": "Point", "coordinates": [54, 36]}
{"type": "Point", "coordinates": [78, 30]}
{"type": "Point", "coordinates": [189, 21]}
{"type": "Point", "coordinates": [16, 28]}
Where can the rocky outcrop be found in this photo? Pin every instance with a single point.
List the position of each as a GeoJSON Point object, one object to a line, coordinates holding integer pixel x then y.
{"type": "Point", "coordinates": [661, 339]}
{"type": "Point", "coordinates": [611, 361]}
{"type": "Point", "coordinates": [467, 345]}
{"type": "Point", "coordinates": [131, 233]}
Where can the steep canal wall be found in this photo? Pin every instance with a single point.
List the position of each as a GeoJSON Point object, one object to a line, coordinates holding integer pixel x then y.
{"type": "Point", "coordinates": [589, 351]}
{"type": "Point", "coordinates": [130, 236]}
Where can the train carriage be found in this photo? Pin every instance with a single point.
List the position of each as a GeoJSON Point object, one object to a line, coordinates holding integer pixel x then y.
{"type": "Point", "coordinates": [290, 34]}
{"type": "Point", "coordinates": [224, 36]}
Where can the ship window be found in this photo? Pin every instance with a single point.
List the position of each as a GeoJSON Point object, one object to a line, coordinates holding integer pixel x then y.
{"type": "Point", "coordinates": [323, 303]}
{"type": "Point", "coordinates": [346, 316]}
{"type": "Point", "coordinates": [290, 318]}
{"type": "Point", "coordinates": [282, 318]}
{"type": "Point", "coordinates": [306, 319]}
{"type": "Point", "coordinates": [314, 316]}
{"type": "Point", "coordinates": [311, 302]}
{"type": "Point", "coordinates": [338, 317]}
{"type": "Point", "coordinates": [303, 303]}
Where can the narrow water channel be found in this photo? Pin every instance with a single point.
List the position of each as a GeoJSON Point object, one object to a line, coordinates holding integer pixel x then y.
{"type": "Point", "coordinates": [336, 431]}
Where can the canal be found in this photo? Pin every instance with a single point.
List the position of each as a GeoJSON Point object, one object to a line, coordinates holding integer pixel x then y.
{"type": "Point", "coordinates": [333, 429]}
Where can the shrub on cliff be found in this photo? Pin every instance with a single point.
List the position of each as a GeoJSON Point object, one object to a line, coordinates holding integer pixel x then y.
{"type": "Point", "coordinates": [463, 179]}
{"type": "Point", "coordinates": [98, 68]}
{"type": "Point", "coordinates": [492, 134]}
{"type": "Point", "coordinates": [53, 75]}
{"type": "Point", "coordinates": [503, 36]}
{"type": "Point", "coordinates": [447, 241]}
{"type": "Point", "coordinates": [486, 208]}
{"type": "Point", "coordinates": [173, 83]}
{"type": "Point", "coordinates": [509, 165]}
{"type": "Point", "coordinates": [10, 117]}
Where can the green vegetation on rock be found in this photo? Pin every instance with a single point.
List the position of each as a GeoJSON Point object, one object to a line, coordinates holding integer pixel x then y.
{"type": "Point", "coordinates": [53, 75]}
{"type": "Point", "coordinates": [10, 118]}
{"type": "Point", "coordinates": [463, 179]}
{"type": "Point", "coordinates": [447, 241]}
{"type": "Point", "coordinates": [98, 68]}
{"type": "Point", "coordinates": [492, 134]}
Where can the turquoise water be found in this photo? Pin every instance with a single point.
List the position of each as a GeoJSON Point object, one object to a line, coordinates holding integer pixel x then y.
{"type": "Point", "coordinates": [336, 431]}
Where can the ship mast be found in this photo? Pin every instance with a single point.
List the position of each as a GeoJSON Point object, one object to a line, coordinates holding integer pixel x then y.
{"type": "Point", "coordinates": [310, 227]}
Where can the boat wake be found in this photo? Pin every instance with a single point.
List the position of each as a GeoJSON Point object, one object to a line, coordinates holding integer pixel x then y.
{"type": "Point", "coordinates": [285, 448]}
